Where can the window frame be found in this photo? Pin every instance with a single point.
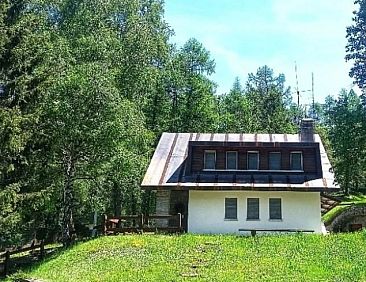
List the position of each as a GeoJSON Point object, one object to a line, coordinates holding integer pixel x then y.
{"type": "Point", "coordinates": [269, 209]}
{"type": "Point", "coordinates": [236, 209]}
{"type": "Point", "coordinates": [204, 159]}
{"type": "Point", "coordinates": [253, 219]}
{"type": "Point", "coordinates": [251, 152]}
{"type": "Point", "coordinates": [236, 160]}
{"type": "Point", "coordinates": [301, 160]}
{"type": "Point", "coordinates": [269, 160]}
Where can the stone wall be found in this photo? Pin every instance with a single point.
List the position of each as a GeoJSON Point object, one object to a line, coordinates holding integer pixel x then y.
{"type": "Point", "coordinates": [353, 215]}
{"type": "Point", "coordinates": [162, 206]}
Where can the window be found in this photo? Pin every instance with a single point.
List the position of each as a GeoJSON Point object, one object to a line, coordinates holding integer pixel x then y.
{"type": "Point", "coordinates": [275, 210]}
{"type": "Point", "coordinates": [210, 159]}
{"type": "Point", "coordinates": [231, 205]}
{"type": "Point", "coordinates": [252, 208]}
{"type": "Point", "coordinates": [296, 161]}
{"type": "Point", "coordinates": [274, 161]}
{"type": "Point", "coordinates": [253, 161]}
{"type": "Point", "coordinates": [231, 160]}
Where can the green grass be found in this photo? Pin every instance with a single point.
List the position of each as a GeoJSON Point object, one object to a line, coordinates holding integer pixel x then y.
{"type": "Point", "coordinates": [209, 258]}
{"type": "Point", "coordinates": [346, 204]}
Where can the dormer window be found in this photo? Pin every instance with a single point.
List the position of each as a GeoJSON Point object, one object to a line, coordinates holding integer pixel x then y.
{"type": "Point", "coordinates": [253, 160]}
{"type": "Point", "coordinates": [210, 159]}
{"type": "Point", "coordinates": [274, 161]}
{"type": "Point", "coordinates": [231, 160]}
{"type": "Point", "coordinates": [296, 161]}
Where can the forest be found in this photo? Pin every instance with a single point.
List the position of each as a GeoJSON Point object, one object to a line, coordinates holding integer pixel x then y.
{"type": "Point", "coordinates": [87, 88]}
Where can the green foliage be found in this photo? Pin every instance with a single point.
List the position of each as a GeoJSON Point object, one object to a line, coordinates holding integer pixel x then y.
{"type": "Point", "coordinates": [209, 258]}
{"type": "Point", "coordinates": [263, 106]}
{"type": "Point", "coordinates": [347, 135]}
{"type": "Point", "coordinates": [87, 88]}
{"type": "Point", "coordinates": [356, 46]}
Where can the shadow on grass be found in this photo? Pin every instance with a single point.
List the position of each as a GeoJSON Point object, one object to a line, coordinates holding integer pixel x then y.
{"type": "Point", "coordinates": [22, 264]}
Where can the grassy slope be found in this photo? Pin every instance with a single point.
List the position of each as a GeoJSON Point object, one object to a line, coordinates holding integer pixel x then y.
{"type": "Point", "coordinates": [210, 258]}
{"type": "Point", "coordinates": [346, 204]}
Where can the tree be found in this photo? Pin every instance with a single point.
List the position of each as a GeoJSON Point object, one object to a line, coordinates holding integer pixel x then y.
{"type": "Point", "coordinates": [356, 46]}
{"type": "Point", "coordinates": [347, 137]}
{"type": "Point", "coordinates": [24, 37]}
{"type": "Point", "coordinates": [235, 111]}
{"type": "Point", "coordinates": [194, 92]}
{"type": "Point", "coordinates": [271, 101]}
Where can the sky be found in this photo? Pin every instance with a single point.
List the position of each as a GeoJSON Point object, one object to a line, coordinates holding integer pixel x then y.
{"type": "Point", "coordinates": [242, 35]}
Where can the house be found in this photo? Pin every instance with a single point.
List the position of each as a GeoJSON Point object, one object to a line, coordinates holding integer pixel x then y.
{"type": "Point", "coordinates": [222, 183]}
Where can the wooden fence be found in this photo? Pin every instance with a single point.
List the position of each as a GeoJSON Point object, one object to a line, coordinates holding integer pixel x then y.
{"type": "Point", "coordinates": [142, 223]}
{"type": "Point", "coordinates": [6, 256]}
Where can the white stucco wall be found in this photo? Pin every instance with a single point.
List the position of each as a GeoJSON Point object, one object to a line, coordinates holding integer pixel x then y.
{"type": "Point", "coordinates": [206, 211]}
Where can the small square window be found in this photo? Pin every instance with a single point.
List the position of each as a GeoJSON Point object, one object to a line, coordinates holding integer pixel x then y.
{"type": "Point", "coordinates": [210, 160]}
{"type": "Point", "coordinates": [231, 160]}
{"type": "Point", "coordinates": [252, 208]}
{"type": "Point", "coordinates": [296, 161]}
{"type": "Point", "coordinates": [274, 161]}
{"type": "Point", "coordinates": [231, 208]}
{"type": "Point", "coordinates": [275, 209]}
{"type": "Point", "coordinates": [253, 161]}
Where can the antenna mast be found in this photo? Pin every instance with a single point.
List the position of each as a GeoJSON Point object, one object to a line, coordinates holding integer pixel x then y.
{"type": "Point", "coordinates": [297, 88]}
{"type": "Point", "coordinates": [312, 94]}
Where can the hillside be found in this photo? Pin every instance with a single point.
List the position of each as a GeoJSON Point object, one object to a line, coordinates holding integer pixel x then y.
{"type": "Point", "coordinates": [209, 258]}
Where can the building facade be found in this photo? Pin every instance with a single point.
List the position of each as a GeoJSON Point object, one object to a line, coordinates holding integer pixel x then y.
{"type": "Point", "coordinates": [222, 183]}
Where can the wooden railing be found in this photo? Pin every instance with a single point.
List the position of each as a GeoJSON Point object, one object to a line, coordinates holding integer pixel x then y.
{"type": "Point", "coordinates": [6, 256]}
{"type": "Point", "coordinates": [141, 223]}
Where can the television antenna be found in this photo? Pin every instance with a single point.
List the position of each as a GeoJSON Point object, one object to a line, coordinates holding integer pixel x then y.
{"type": "Point", "coordinates": [300, 91]}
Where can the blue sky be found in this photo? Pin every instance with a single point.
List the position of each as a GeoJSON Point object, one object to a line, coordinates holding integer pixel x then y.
{"type": "Point", "coordinates": [243, 35]}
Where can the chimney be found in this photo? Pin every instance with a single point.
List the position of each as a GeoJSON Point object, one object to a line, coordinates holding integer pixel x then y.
{"type": "Point", "coordinates": [307, 130]}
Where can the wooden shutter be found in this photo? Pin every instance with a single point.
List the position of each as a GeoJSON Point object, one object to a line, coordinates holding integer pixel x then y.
{"type": "Point", "coordinates": [231, 207]}
{"type": "Point", "coordinates": [252, 208]}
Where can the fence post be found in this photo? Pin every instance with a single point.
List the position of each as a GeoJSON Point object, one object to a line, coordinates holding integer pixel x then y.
{"type": "Point", "coordinates": [41, 250]}
{"type": "Point", "coordinates": [7, 263]}
{"type": "Point", "coordinates": [104, 227]}
{"type": "Point", "coordinates": [141, 222]}
{"type": "Point", "coordinates": [32, 247]}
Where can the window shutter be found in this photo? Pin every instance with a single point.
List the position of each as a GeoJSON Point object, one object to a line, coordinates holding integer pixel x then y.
{"type": "Point", "coordinates": [231, 206]}
{"type": "Point", "coordinates": [275, 210]}
{"type": "Point", "coordinates": [252, 208]}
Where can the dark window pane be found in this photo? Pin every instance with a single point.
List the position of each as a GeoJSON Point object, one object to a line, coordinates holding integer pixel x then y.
{"type": "Point", "coordinates": [275, 161]}
{"type": "Point", "coordinates": [252, 208]}
{"type": "Point", "coordinates": [210, 159]}
{"type": "Point", "coordinates": [296, 161]}
{"type": "Point", "coordinates": [275, 211]}
{"type": "Point", "coordinates": [231, 160]}
{"type": "Point", "coordinates": [253, 161]}
{"type": "Point", "coordinates": [231, 208]}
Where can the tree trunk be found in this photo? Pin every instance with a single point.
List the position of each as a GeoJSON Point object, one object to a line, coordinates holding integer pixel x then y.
{"type": "Point", "coordinates": [68, 199]}
{"type": "Point", "coordinates": [117, 199]}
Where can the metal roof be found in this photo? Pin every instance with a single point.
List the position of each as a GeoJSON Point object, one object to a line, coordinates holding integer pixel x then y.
{"type": "Point", "coordinates": [168, 164]}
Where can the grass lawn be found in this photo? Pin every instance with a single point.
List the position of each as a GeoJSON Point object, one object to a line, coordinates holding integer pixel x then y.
{"type": "Point", "coordinates": [346, 204]}
{"type": "Point", "coordinates": [339, 257]}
